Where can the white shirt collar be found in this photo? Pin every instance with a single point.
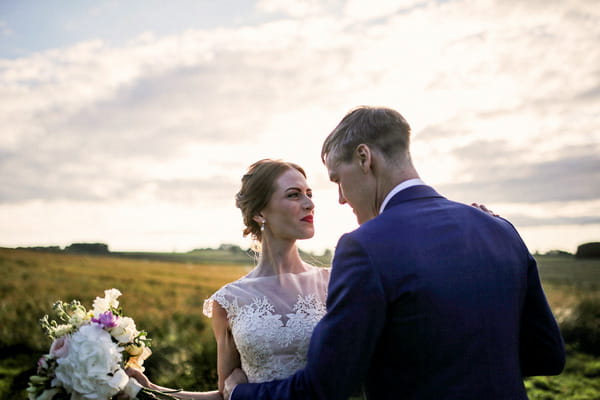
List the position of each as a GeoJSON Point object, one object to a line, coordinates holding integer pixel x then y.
{"type": "Point", "coordinates": [403, 185]}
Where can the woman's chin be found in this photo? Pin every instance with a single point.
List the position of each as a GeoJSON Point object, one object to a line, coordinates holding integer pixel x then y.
{"type": "Point", "coordinates": [307, 235]}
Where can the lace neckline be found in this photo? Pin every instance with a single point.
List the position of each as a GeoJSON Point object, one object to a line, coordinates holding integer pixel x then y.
{"type": "Point", "coordinates": [311, 269]}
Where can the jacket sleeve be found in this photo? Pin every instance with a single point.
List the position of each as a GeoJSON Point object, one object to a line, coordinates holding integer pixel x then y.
{"type": "Point", "coordinates": [541, 344]}
{"type": "Point", "coordinates": [343, 342]}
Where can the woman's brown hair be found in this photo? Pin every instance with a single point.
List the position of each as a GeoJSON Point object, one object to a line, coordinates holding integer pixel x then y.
{"type": "Point", "coordinates": [258, 185]}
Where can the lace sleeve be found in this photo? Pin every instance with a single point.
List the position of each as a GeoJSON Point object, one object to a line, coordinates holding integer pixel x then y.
{"type": "Point", "coordinates": [207, 309]}
{"type": "Point", "coordinates": [226, 301]}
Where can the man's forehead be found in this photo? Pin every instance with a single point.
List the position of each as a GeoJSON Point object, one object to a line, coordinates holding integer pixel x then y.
{"type": "Point", "coordinates": [330, 164]}
{"type": "Point", "coordinates": [333, 172]}
{"type": "Point", "coordinates": [331, 161]}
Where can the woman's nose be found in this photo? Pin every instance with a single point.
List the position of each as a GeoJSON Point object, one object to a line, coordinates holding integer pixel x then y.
{"type": "Point", "coordinates": [309, 204]}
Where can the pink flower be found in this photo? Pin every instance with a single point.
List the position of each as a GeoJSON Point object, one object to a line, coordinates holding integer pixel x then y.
{"type": "Point", "coordinates": [42, 363]}
{"type": "Point", "coordinates": [60, 347]}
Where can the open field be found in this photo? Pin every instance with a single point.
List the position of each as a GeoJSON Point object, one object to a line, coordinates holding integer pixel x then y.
{"type": "Point", "coordinates": [568, 281]}
{"type": "Point", "coordinates": [166, 300]}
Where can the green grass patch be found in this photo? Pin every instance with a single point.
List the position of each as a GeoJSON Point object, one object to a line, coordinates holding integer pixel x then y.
{"type": "Point", "coordinates": [165, 298]}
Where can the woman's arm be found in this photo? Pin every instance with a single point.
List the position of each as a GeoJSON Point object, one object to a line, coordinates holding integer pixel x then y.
{"type": "Point", "coordinates": [145, 382]}
{"type": "Point", "coordinates": [228, 357]}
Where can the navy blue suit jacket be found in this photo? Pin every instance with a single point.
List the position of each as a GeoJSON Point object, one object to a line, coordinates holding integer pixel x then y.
{"type": "Point", "coordinates": [432, 299]}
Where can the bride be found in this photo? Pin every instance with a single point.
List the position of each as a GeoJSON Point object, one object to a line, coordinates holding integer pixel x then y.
{"type": "Point", "coordinates": [263, 321]}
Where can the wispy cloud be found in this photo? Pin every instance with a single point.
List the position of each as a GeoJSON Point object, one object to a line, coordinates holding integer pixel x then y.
{"type": "Point", "coordinates": [5, 30]}
{"type": "Point", "coordinates": [512, 179]}
{"type": "Point", "coordinates": [502, 97]}
{"type": "Point", "coordinates": [526, 221]}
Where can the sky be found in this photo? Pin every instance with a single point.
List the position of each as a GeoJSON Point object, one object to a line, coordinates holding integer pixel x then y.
{"type": "Point", "coordinates": [131, 122]}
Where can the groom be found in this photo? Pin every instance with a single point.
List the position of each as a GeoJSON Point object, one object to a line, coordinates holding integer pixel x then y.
{"type": "Point", "coordinates": [428, 298]}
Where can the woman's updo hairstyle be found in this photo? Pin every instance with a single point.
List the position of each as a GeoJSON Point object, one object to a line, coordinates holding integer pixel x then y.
{"type": "Point", "coordinates": [257, 188]}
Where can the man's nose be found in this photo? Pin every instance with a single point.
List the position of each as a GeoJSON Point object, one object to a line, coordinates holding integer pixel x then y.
{"type": "Point", "coordinates": [341, 199]}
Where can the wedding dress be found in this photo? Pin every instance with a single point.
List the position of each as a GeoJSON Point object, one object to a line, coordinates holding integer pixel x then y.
{"type": "Point", "coordinates": [272, 319]}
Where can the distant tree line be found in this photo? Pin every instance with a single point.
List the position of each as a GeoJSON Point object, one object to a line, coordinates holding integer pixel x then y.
{"type": "Point", "coordinates": [87, 248]}
{"type": "Point", "coordinates": [584, 251]}
{"type": "Point", "coordinates": [225, 253]}
{"type": "Point", "coordinates": [76, 248]}
{"type": "Point", "coordinates": [47, 249]}
{"type": "Point", "coordinates": [588, 250]}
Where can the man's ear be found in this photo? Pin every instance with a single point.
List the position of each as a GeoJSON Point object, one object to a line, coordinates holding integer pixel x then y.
{"type": "Point", "coordinates": [365, 157]}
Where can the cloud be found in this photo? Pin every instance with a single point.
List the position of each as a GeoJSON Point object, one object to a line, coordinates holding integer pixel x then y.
{"type": "Point", "coordinates": [502, 97]}
{"type": "Point", "coordinates": [215, 189]}
{"type": "Point", "coordinates": [510, 55]}
{"type": "Point", "coordinates": [527, 221]}
{"type": "Point", "coordinates": [293, 8]}
{"type": "Point", "coordinates": [360, 10]}
{"type": "Point", "coordinates": [90, 119]}
{"type": "Point", "coordinates": [32, 180]}
{"type": "Point", "coordinates": [497, 173]}
{"type": "Point", "coordinates": [5, 30]}
{"type": "Point", "coordinates": [592, 93]}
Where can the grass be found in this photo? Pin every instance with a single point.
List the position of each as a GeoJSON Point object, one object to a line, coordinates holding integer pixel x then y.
{"type": "Point", "coordinates": [568, 281]}
{"type": "Point", "coordinates": [163, 298]}
{"type": "Point", "coordinates": [166, 298]}
{"type": "Point", "coordinates": [579, 381]}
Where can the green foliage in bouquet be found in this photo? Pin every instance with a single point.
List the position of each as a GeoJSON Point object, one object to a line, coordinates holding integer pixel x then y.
{"type": "Point", "coordinates": [89, 353]}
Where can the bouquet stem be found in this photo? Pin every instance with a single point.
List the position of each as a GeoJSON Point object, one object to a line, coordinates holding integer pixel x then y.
{"type": "Point", "coordinates": [151, 394]}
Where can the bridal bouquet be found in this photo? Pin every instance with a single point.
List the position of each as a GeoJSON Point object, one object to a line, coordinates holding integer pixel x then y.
{"type": "Point", "coordinates": [89, 352]}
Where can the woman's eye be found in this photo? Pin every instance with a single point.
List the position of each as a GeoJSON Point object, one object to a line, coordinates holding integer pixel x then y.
{"type": "Point", "coordinates": [293, 195]}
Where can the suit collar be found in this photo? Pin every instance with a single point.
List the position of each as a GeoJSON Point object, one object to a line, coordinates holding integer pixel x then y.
{"type": "Point", "coordinates": [401, 186]}
{"type": "Point", "coordinates": [412, 193]}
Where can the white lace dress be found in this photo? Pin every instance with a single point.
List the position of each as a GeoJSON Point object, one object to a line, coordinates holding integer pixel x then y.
{"type": "Point", "coordinates": [272, 319]}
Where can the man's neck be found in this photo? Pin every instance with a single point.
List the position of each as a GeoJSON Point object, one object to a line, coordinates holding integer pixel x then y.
{"type": "Point", "coordinates": [391, 180]}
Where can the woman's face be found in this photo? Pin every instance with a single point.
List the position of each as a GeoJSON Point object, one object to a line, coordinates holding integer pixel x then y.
{"type": "Point", "coordinates": [289, 213]}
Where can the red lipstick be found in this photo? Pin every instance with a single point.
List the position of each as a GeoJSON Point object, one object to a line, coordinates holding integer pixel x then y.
{"type": "Point", "coordinates": [308, 218]}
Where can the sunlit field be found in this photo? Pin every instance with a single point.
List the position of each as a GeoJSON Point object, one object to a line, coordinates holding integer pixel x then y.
{"type": "Point", "coordinates": [573, 290]}
{"type": "Point", "coordinates": [567, 281]}
{"type": "Point", "coordinates": [166, 300]}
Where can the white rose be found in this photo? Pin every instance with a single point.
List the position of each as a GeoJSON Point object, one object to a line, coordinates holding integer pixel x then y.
{"type": "Point", "coordinates": [111, 296]}
{"type": "Point", "coordinates": [109, 301]}
{"type": "Point", "coordinates": [125, 331]}
{"type": "Point", "coordinates": [92, 367]}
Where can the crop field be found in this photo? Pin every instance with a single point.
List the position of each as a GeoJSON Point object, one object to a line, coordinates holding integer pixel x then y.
{"type": "Point", "coordinates": [166, 298]}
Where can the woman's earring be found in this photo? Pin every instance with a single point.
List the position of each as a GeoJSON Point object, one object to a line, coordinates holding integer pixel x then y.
{"type": "Point", "coordinates": [262, 226]}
